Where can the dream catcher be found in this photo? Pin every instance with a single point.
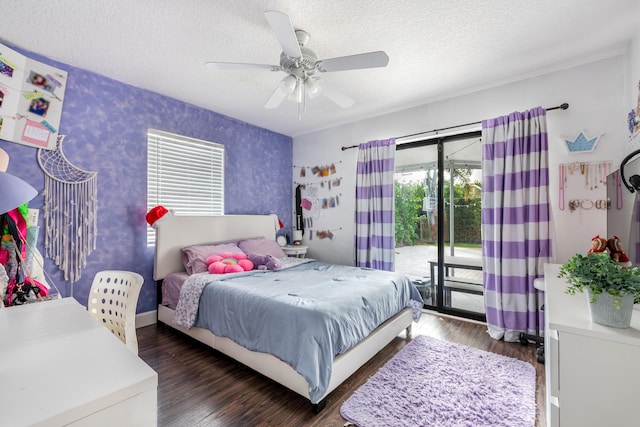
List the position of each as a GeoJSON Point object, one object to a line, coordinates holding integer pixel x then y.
{"type": "Point", "coordinates": [70, 211]}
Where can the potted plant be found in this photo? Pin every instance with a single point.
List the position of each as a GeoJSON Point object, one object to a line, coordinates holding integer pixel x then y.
{"type": "Point", "coordinates": [611, 288]}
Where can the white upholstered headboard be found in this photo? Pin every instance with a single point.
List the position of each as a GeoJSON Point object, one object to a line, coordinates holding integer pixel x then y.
{"type": "Point", "coordinates": [175, 232]}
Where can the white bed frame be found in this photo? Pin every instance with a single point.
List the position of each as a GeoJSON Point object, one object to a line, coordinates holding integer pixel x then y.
{"type": "Point", "coordinates": [175, 232]}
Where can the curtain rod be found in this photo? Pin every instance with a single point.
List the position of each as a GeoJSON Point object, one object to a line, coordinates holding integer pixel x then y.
{"type": "Point", "coordinates": [562, 106]}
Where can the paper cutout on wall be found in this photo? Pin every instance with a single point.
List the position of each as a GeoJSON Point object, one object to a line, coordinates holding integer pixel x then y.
{"type": "Point", "coordinates": [327, 234]}
{"type": "Point", "coordinates": [306, 204]}
{"type": "Point", "coordinates": [582, 143]}
{"type": "Point", "coordinates": [31, 95]}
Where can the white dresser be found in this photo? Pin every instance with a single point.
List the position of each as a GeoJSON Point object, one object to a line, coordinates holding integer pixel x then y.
{"type": "Point", "coordinates": [59, 366]}
{"type": "Point", "coordinates": [592, 371]}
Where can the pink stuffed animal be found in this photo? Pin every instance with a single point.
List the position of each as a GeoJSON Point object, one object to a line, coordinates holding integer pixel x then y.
{"type": "Point", "coordinates": [226, 262]}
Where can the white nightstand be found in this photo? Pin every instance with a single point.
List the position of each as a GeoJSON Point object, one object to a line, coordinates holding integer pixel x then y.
{"type": "Point", "coordinates": [295, 250]}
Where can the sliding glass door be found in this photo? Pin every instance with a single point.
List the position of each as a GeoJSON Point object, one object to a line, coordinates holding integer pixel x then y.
{"type": "Point", "coordinates": [438, 187]}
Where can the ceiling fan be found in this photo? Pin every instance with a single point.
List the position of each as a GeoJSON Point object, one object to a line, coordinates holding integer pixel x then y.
{"type": "Point", "coordinates": [303, 66]}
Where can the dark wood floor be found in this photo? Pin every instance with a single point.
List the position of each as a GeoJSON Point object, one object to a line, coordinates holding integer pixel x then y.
{"type": "Point", "coordinates": [198, 386]}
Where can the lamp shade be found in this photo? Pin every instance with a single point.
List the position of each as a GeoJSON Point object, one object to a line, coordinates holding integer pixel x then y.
{"type": "Point", "coordinates": [14, 192]}
{"type": "Point", "coordinates": [288, 84]}
{"type": "Point", "coordinates": [312, 88]}
{"type": "Point", "coordinates": [296, 95]}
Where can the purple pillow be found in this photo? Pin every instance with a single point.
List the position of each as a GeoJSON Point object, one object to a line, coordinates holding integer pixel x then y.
{"type": "Point", "coordinates": [194, 256]}
{"type": "Point", "coordinates": [262, 247]}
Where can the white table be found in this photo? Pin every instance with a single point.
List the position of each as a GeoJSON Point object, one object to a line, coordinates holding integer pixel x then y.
{"type": "Point", "coordinates": [59, 366]}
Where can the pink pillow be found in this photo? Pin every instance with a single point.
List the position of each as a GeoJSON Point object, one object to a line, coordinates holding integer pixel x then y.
{"type": "Point", "coordinates": [262, 247]}
{"type": "Point", "coordinates": [228, 263]}
{"type": "Point", "coordinates": [194, 256]}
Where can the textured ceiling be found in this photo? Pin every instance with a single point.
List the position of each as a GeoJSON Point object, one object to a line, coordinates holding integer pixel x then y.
{"type": "Point", "coordinates": [437, 49]}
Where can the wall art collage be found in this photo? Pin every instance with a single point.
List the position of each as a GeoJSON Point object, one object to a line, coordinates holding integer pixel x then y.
{"type": "Point", "coordinates": [317, 193]}
{"type": "Point", "coordinates": [31, 96]}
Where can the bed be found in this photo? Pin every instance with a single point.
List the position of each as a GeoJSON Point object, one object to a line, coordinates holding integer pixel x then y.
{"type": "Point", "coordinates": [303, 372]}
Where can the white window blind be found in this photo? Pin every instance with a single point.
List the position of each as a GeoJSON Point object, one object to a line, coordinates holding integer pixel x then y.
{"type": "Point", "coordinates": [185, 175]}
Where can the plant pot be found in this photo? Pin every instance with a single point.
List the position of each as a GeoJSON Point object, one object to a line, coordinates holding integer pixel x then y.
{"type": "Point", "coordinates": [604, 311]}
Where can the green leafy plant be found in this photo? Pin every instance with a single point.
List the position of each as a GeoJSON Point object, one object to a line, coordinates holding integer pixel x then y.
{"type": "Point", "coordinates": [599, 273]}
{"type": "Point", "coordinates": [408, 209]}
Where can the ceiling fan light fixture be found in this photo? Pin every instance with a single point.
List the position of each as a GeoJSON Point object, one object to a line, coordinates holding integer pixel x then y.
{"type": "Point", "coordinates": [289, 84]}
{"type": "Point", "coordinates": [296, 95]}
{"type": "Point", "coordinates": [311, 87]}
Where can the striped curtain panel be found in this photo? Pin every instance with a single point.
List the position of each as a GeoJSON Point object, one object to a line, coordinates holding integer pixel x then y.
{"type": "Point", "coordinates": [375, 222]}
{"type": "Point", "coordinates": [515, 220]}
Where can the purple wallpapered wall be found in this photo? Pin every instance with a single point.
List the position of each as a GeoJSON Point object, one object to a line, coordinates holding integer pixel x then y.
{"type": "Point", "coordinates": [106, 124]}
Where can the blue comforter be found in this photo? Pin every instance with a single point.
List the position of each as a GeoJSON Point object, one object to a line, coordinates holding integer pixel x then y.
{"type": "Point", "coordinates": [305, 315]}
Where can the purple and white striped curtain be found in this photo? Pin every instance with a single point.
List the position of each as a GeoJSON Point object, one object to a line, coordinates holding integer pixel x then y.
{"type": "Point", "coordinates": [375, 221]}
{"type": "Point", "coordinates": [515, 219]}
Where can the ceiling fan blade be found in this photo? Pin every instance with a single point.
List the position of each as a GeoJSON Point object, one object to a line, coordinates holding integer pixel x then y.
{"type": "Point", "coordinates": [335, 95]}
{"type": "Point", "coordinates": [354, 62]}
{"type": "Point", "coordinates": [240, 66]}
{"type": "Point", "coordinates": [275, 99]}
{"type": "Point", "coordinates": [285, 33]}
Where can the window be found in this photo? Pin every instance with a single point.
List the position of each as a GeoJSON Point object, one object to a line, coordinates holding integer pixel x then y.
{"type": "Point", "coordinates": [185, 175]}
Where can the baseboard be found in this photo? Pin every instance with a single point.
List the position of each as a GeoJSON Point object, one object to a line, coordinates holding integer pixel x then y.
{"type": "Point", "coordinates": [147, 318]}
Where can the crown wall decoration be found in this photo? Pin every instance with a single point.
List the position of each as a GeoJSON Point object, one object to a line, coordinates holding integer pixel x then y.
{"type": "Point", "coordinates": [582, 143]}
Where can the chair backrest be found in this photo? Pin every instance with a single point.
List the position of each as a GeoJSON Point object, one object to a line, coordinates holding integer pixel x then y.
{"type": "Point", "coordinates": [112, 301]}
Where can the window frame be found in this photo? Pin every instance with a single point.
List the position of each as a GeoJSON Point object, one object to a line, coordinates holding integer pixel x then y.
{"type": "Point", "coordinates": [185, 175]}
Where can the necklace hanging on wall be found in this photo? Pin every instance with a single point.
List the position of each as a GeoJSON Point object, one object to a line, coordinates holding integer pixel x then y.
{"type": "Point", "coordinates": [70, 211]}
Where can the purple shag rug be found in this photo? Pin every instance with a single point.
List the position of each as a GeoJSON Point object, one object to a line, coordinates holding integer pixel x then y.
{"type": "Point", "coordinates": [438, 383]}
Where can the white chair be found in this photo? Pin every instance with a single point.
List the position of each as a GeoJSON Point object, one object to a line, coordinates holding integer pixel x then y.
{"type": "Point", "coordinates": [112, 301]}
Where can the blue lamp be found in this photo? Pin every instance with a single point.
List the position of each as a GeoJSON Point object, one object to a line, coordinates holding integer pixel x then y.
{"type": "Point", "coordinates": [14, 192]}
